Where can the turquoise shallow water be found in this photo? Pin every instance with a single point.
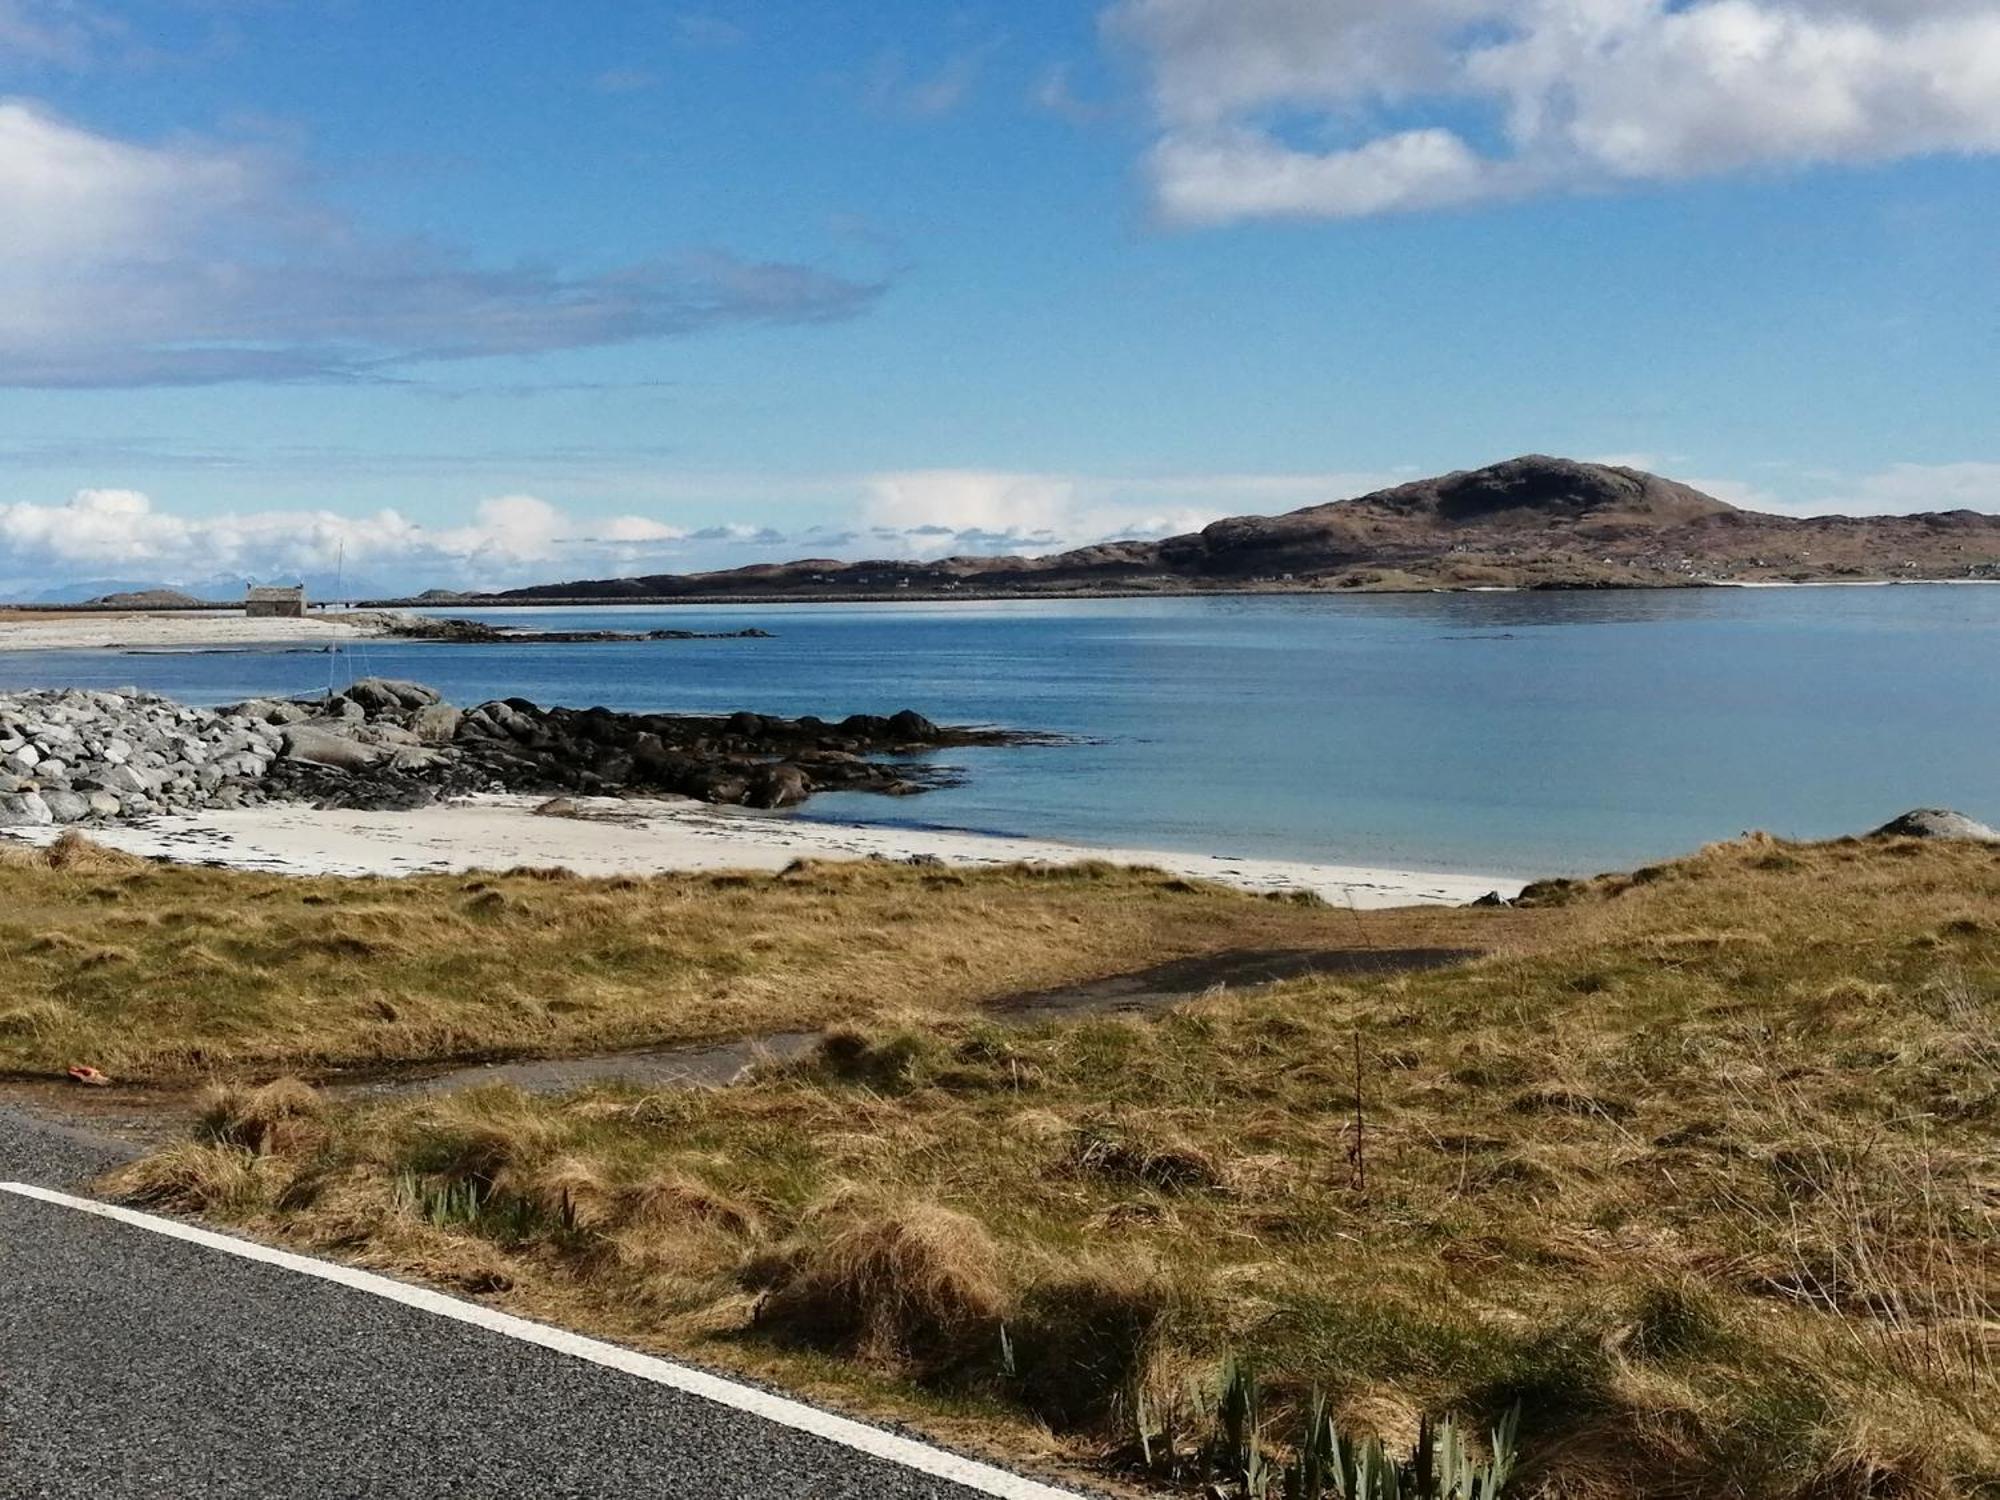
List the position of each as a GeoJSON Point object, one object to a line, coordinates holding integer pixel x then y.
{"type": "Point", "coordinates": [1528, 733]}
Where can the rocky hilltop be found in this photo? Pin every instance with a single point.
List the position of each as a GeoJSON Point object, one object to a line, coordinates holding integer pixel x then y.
{"type": "Point", "coordinates": [73, 756]}
{"type": "Point", "coordinates": [1531, 522]}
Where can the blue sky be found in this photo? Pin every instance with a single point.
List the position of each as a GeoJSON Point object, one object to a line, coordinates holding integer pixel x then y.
{"type": "Point", "coordinates": [484, 294]}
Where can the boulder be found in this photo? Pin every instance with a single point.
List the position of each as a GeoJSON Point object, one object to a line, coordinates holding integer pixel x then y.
{"type": "Point", "coordinates": [66, 806]}
{"type": "Point", "coordinates": [1938, 823]}
{"type": "Point", "coordinates": [911, 725]}
{"type": "Point", "coordinates": [718, 784]}
{"type": "Point", "coordinates": [104, 805]}
{"type": "Point", "coordinates": [380, 695]}
{"type": "Point", "coordinates": [782, 785]}
{"type": "Point", "coordinates": [118, 780]}
{"type": "Point", "coordinates": [326, 747]}
{"type": "Point", "coordinates": [414, 758]}
{"type": "Point", "coordinates": [24, 810]}
{"type": "Point", "coordinates": [436, 723]}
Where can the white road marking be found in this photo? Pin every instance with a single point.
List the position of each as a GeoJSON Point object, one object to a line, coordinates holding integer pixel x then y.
{"type": "Point", "coordinates": [873, 1441]}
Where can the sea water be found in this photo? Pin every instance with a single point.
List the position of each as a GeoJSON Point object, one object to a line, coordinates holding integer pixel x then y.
{"type": "Point", "coordinates": [1557, 732]}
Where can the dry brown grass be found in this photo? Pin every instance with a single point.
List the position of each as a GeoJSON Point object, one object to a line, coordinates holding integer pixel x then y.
{"type": "Point", "coordinates": [278, 1117]}
{"type": "Point", "coordinates": [70, 851]}
{"type": "Point", "coordinates": [1705, 1182]}
{"type": "Point", "coordinates": [157, 973]}
{"type": "Point", "coordinates": [909, 1284]}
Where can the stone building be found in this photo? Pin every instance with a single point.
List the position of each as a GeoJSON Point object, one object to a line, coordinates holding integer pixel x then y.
{"type": "Point", "coordinates": [272, 602]}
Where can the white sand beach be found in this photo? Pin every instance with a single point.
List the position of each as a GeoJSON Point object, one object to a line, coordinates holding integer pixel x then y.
{"type": "Point", "coordinates": [157, 630]}
{"type": "Point", "coordinates": [616, 837]}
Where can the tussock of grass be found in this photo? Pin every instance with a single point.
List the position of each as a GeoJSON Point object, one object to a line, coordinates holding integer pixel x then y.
{"type": "Point", "coordinates": [198, 1177]}
{"type": "Point", "coordinates": [158, 973]}
{"type": "Point", "coordinates": [911, 1285]}
{"type": "Point", "coordinates": [278, 1117]}
{"type": "Point", "coordinates": [1718, 1211]}
{"type": "Point", "coordinates": [1117, 1153]}
{"type": "Point", "coordinates": [73, 852]}
{"type": "Point", "coordinates": [1093, 1335]}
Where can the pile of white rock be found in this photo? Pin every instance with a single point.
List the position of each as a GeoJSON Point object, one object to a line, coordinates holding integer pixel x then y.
{"type": "Point", "coordinates": [73, 754]}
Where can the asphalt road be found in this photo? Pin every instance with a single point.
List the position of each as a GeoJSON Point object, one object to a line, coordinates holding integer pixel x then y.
{"type": "Point", "coordinates": [137, 1365]}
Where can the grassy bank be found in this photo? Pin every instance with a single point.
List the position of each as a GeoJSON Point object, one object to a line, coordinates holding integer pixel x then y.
{"type": "Point", "coordinates": [1701, 1181]}
{"type": "Point", "coordinates": [172, 973]}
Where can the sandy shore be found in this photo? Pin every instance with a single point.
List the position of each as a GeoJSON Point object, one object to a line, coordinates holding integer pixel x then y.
{"type": "Point", "coordinates": [197, 630]}
{"type": "Point", "coordinates": [617, 837]}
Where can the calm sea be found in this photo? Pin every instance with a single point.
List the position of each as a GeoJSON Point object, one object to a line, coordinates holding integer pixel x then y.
{"type": "Point", "coordinates": [1530, 733]}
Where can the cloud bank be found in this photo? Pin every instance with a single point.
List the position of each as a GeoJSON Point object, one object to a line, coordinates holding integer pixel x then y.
{"type": "Point", "coordinates": [112, 532]}
{"type": "Point", "coordinates": [518, 538]}
{"type": "Point", "coordinates": [1348, 108]}
{"type": "Point", "coordinates": [126, 263]}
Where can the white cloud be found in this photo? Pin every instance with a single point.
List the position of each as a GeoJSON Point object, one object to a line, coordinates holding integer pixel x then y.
{"type": "Point", "coordinates": [1570, 93]}
{"type": "Point", "coordinates": [1242, 174]}
{"type": "Point", "coordinates": [935, 512]}
{"type": "Point", "coordinates": [636, 529]}
{"type": "Point", "coordinates": [1906, 488]}
{"type": "Point", "coordinates": [1899, 490]}
{"type": "Point", "coordinates": [186, 262]}
{"type": "Point", "coordinates": [508, 538]}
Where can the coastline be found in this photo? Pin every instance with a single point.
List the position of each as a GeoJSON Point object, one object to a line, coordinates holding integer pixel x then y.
{"type": "Point", "coordinates": [487, 604]}
{"type": "Point", "coordinates": [162, 630]}
{"type": "Point", "coordinates": [615, 836]}
{"type": "Point", "coordinates": [221, 628]}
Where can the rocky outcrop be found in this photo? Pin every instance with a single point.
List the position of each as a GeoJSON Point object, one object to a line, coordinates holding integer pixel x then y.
{"type": "Point", "coordinates": [1938, 823]}
{"type": "Point", "coordinates": [459, 632]}
{"type": "Point", "coordinates": [750, 759]}
{"type": "Point", "coordinates": [74, 756]}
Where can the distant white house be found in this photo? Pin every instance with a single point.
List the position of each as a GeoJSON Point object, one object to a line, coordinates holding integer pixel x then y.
{"type": "Point", "coordinates": [266, 602]}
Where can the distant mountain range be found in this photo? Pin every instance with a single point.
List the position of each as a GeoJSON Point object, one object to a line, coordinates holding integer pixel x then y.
{"type": "Point", "coordinates": [1532, 522]}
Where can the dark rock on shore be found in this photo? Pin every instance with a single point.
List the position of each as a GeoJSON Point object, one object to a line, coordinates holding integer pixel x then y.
{"type": "Point", "coordinates": [390, 744]}
{"type": "Point", "coordinates": [755, 760]}
{"type": "Point", "coordinates": [78, 755]}
{"type": "Point", "coordinates": [478, 633]}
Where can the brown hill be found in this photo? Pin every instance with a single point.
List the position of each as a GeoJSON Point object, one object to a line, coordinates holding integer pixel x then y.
{"type": "Point", "coordinates": [1535, 522]}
